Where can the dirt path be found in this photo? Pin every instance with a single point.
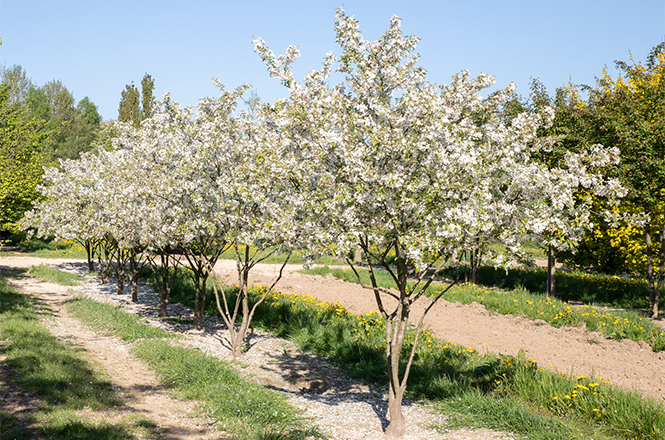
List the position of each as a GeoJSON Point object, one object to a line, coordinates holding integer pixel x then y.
{"type": "Point", "coordinates": [137, 384]}
{"type": "Point", "coordinates": [627, 364]}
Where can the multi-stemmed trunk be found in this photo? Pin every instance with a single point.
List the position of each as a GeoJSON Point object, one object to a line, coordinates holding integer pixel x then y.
{"type": "Point", "coordinates": [162, 274]}
{"type": "Point", "coordinates": [201, 260]}
{"type": "Point", "coordinates": [136, 261]}
{"type": "Point", "coordinates": [244, 264]}
{"type": "Point", "coordinates": [395, 335]}
{"type": "Point", "coordinates": [199, 275]}
{"type": "Point", "coordinates": [397, 321]}
{"type": "Point", "coordinates": [120, 265]}
{"type": "Point", "coordinates": [104, 256]}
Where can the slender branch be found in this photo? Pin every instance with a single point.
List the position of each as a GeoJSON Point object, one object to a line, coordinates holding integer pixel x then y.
{"type": "Point", "coordinates": [377, 290]}
{"type": "Point", "coordinates": [423, 289]}
{"type": "Point", "coordinates": [417, 335]}
{"type": "Point", "coordinates": [272, 286]}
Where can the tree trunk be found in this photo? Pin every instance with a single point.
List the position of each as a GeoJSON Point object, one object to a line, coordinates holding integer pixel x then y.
{"type": "Point", "coordinates": [652, 291]}
{"type": "Point", "coordinates": [475, 264]}
{"type": "Point", "coordinates": [197, 300]}
{"type": "Point", "coordinates": [661, 257]}
{"type": "Point", "coordinates": [121, 259]}
{"type": "Point", "coordinates": [104, 264]}
{"type": "Point", "coordinates": [202, 306]}
{"type": "Point", "coordinates": [120, 277]}
{"type": "Point", "coordinates": [397, 426]}
{"type": "Point", "coordinates": [133, 276]}
{"type": "Point", "coordinates": [161, 273]}
{"type": "Point", "coordinates": [89, 250]}
{"type": "Point", "coordinates": [241, 334]}
{"type": "Point", "coordinates": [551, 272]}
{"type": "Point", "coordinates": [395, 334]}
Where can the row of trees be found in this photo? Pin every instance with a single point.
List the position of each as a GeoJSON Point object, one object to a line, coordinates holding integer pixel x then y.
{"type": "Point", "coordinates": [410, 172]}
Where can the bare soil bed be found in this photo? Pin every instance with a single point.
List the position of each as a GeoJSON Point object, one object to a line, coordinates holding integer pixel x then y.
{"type": "Point", "coordinates": [344, 409]}
{"type": "Point", "coordinates": [626, 364]}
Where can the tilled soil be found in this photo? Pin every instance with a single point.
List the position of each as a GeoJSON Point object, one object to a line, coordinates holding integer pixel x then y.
{"type": "Point", "coordinates": [572, 350]}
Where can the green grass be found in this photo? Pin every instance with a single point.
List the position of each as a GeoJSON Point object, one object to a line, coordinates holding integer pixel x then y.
{"type": "Point", "coordinates": [57, 374]}
{"type": "Point", "coordinates": [241, 408]}
{"type": "Point", "coordinates": [50, 249]}
{"type": "Point", "coordinates": [57, 276]}
{"type": "Point", "coordinates": [520, 302]}
{"type": "Point", "coordinates": [128, 327]}
{"type": "Point", "coordinates": [597, 289]}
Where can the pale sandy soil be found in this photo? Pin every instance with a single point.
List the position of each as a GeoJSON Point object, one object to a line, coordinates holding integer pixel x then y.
{"type": "Point", "coordinates": [625, 364]}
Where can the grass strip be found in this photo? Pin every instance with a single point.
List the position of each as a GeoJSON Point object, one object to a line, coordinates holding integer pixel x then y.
{"type": "Point", "coordinates": [55, 373]}
{"type": "Point", "coordinates": [45, 273]}
{"type": "Point", "coordinates": [520, 302]}
{"type": "Point", "coordinates": [243, 409]}
{"type": "Point", "coordinates": [111, 319]}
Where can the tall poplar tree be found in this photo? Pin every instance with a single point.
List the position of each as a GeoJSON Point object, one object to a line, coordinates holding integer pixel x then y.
{"type": "Point", "coordinates": [147, 97]}
{"type": "Point", "coordinates": [129, 110]}
{"type": "Point", "coordinates": [137, 106]}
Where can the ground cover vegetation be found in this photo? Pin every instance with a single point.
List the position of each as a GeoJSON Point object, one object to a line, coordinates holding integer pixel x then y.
{"type": "Point", "coordinates": [50, 275]}
{"type": "Point", "coordinates": [407, 172]}
{"type": "Point", "coordinates": [499, 392]}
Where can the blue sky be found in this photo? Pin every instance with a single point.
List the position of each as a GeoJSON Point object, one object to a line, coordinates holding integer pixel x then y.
{"type": "Point", "coordinates": [97, 47]}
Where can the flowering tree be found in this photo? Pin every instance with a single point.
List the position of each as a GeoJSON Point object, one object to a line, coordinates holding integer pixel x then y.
{"type": "Point", "coordinates": [413, 173]}
{"type": "Point", "coordinates": [178, 205]}
{"type": "Point", "coordinates": [65, 209]}
{"type": "Point", "coordinates": [259, 203]}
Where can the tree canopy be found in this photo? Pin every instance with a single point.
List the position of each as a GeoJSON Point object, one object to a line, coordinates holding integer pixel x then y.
{"type": "Point", "coordinates": [627, 113]}
{"type": "Point", "coordinates": [20, 160]}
